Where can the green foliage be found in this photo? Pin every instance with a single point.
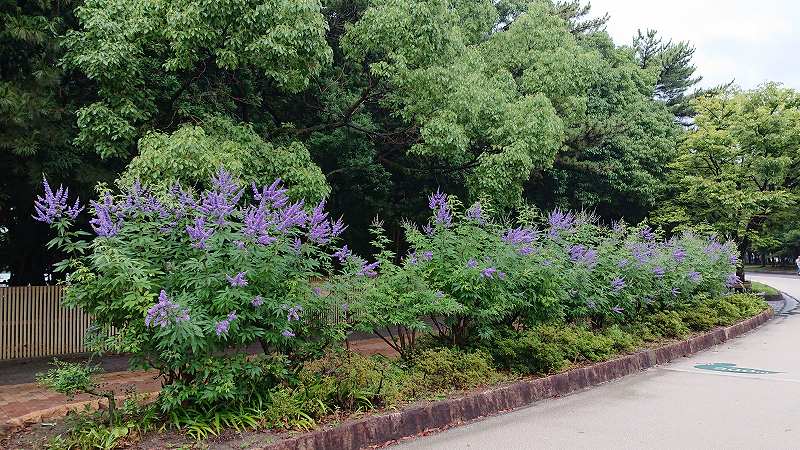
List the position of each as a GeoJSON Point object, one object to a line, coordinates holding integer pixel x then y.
{"type": "Point", "coordinates": [667, 324]}
{"type": "Point", "coordinates": [69, 378]}
{"type": "Point", "coordinates": [736, 307]}
{"type": "Point", "coordinates": [734, 174]}
{"type": "Point", "coordinates": [155, 62]}
{"type": "Point", "coordinates": [192, 154]}
{"type": "Point", "coordinates": [347, 381]}
{"type": "Point", "coordinates": [528, 353]}
{"type": "Point", "coordinates": [439, 371]}
{"type": "Point", "coordinates": [763, 288]}
{"type": "Point", "coordinates": [395, 306]}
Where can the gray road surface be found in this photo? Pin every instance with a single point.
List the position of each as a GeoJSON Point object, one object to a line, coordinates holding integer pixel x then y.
{"type": "Point", "coordinates": [675, 406]}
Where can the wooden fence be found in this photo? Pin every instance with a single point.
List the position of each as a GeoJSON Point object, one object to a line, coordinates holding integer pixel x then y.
{"type": "Point", "coordinates": [33, 323]}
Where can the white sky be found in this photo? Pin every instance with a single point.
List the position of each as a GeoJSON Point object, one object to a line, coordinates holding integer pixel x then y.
{"type": "Point", "coordinates": [751, 41]}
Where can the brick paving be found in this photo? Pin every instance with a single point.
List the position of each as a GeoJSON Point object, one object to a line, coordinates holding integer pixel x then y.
{"type": "Point", "coordinates": [27, 403]}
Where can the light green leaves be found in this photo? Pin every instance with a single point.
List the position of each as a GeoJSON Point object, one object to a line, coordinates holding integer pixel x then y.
{"type": "Point", "coordinates": [192, 154]}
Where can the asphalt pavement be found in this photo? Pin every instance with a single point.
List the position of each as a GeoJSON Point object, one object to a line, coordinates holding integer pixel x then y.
{"type": "Point", "coordinates": [743, 394]}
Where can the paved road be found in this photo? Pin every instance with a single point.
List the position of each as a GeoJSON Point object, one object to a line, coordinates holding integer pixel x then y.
{"type": "Point", "coordinates": [675, 406]}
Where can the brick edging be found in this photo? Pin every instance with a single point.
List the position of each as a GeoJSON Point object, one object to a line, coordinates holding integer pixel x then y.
{"type": "Point", "coordinates": [376, 430]}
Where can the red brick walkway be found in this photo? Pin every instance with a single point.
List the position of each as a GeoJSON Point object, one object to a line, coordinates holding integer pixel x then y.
{"type": "Point", "coordinates": [22, 404]}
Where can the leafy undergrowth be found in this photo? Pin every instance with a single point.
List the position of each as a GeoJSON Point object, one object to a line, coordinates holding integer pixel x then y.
{"type": "Point", "coordinates": [345, 385]}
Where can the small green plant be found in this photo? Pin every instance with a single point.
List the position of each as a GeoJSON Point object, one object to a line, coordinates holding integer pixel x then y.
{"type": "Point", "coordinates": [526, 353]}
{"type": "Point", "coordinates": [439, 371]}
{"type": "Point", "coordinates": [71, 379]}
{"type": "Point", "coordinates": [667, 324]}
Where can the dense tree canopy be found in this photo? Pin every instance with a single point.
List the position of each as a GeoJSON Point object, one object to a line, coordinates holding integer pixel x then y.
{"type": "Point", "coordinates": [738, 170]}
{"type": "Point", "coordinates": [374, 102]}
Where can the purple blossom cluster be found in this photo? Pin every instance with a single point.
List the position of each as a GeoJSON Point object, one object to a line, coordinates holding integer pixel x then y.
{"type": "Point", "coordinates": [520, 236]}
{"type": "Point", "coordinates": [491, 272]}
{"type": "Point", "coordinates": [560, 221]}
{"type": "Point", "coordinates": [294, 313]}
{"type": "Point", "coordinates": [238, 280]}
{"type": "Point", "coordinates": [224, 325]}
{"type": "Point", "coordinates": [108, 217]}
{"type": "Point", "coordinates": [733, 281]}
{"type": "Point", "coordinates": [165, 312]}
{"type": "Point", "coordinates": [617, 284]}
{"type": "Point", "coordinates": [342, 254]}
{"type": "Point", "coordinates": [679, 255]}
{"type": "Point", "coordinates": [437, 202]}
{"type": "Point", "coordinates": [53, 205]}
{"type": "Point", "coordinates": [369, 270]}
{"type": "Point", "coordinates": [220, 202]}
{"type": "Point", "coordinates": [199, 233]}
{"type": "Point", "coordinates": [580, 254]}
{"type": "Point", "coordinates": [475, 213]}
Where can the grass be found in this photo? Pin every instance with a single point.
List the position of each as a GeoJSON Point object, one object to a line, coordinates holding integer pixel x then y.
{"type": "Point", "coordinates": [763, 288]}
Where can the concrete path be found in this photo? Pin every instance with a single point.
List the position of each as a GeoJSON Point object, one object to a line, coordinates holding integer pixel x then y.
{"type": "Point", "coordinates": [675, 406]}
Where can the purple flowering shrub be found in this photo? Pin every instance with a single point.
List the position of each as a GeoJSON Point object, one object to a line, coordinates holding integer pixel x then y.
{"type": "Point", "coordinates": [189, 279]}
{"type": "Point", "coordinates": [466, 256]}
{"type": "Point", "coordinates": [623, 273]}
{"type": "Point", "coordinates": [562, 267]}
{"type": "Point", "coordinates": [395, 304]}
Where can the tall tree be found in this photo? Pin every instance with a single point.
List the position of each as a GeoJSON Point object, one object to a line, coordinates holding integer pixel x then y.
{"type": "Point", "coordinates": [36, 128]}
{"type": "Point", "coordinates": [672, 63]}
{"type": "Point", "coordinates": [739, 168]}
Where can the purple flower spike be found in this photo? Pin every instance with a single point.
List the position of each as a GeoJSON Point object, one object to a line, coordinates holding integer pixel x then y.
{"type": "Point", "coordinates": [675, 292]}
{"type": "Point", "coordinates": [342, 254]}
{"type": "Point", "coordinates": [257, 301]}
{"type": "Point", "coordinates": [560, 221]}
{"type": "Point", "coordinates": [368, 270]}
{"type": "Point", "coordinates": [287, 333]}
{"type": "Point", "coordinates": [647, 234]}
{"type": "Point", "coordinates": [238, 280]}
{"type": "Point", "coordinates": [582, 255]}
{"type": "Point", "coordinates": [294, 313]}
{"type": "Point", "coordinates": [224, 325]}
{"type": "Point", "coordinates": [472, 263]}
{"type": "Point", "coordinates": [475, 213]}
{"type": "Point", "coordinates": [273, 196]}
{"type": "Point", "coordinates": [165, 312]}
{"type": "Point", "coordinates": [659, 271]}
{"type": "Point", "coordinates": [103, 223]}
{"type": "Point", "coordinates": [679, 255]}
{"type": "Point", "coordinates": [694, 276]}
{"type": "Point", "coordinates": [732, 281]}
{"type": "Point", "coordinates": [199, 233]}
{"type": "Point", "coordinates": [618, 309]}
{"type": "Point", "coordinates": [438, 203]}
{"type": "Point", "coordinates": [427, 255]}
{"type": "Point", "coordinates": [617, 284]}
{"type": "Point", "coordinates": [488, 272]}
{"type": "Point", "coordinates": [520, 236]}
{"type": "Point", "coordinates": [54, 205]}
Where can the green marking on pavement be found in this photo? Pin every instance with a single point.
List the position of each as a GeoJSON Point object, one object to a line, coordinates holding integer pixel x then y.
{"type": "Point", "coordinates": [732, 368]}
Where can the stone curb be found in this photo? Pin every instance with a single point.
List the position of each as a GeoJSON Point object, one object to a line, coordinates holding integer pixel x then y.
{"type": "Point", "coordinates": [377, 430]}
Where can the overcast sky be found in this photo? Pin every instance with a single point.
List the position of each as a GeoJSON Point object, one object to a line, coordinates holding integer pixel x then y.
{"type": "Point", "coordinates": [751, 41]}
